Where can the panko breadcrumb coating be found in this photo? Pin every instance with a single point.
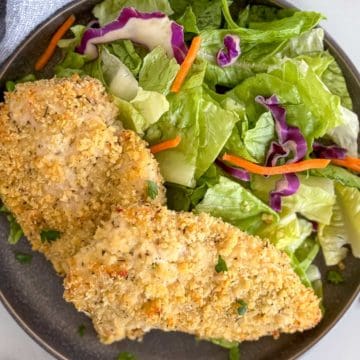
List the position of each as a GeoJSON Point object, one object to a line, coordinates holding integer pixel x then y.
{"type": "Point", "coordinates": [65, 162]}
{"type": "Point", "coordinates": [151, 268]}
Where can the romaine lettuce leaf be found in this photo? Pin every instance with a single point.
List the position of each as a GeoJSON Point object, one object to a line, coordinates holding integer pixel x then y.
{"type": "Point", "coordinates": [257, 139]}
{"type": "Point", "coordinates": [236, 205]}
{"type": "Point", "coordinates": [333, 237]}
{"type": "Point", "coordinates": [178, 165]}
{"type": "Point", "coordinates": [288, 233]}
{"type": "Point", "coordinates": [108, 10]}
{"type": "Point", "coordinates": [207, 12]}
{"type": "Point", "coordinates": [215, 125]}
{"type": "Point", "coordinates": [262, 13]}
{"type": "Point", "coordinates": [126, 52]}
{"type": "Point", "coordinates": [158, 71]}
{"type": "Point", "coordinates": [334, 79]}
{"type": "Point", "coordinates": [346, 134]}
{"type": "Point", "coordinates": [181, 198]}
{"type": "Point", "coordinates": [309, 42]}
{"type": "Point", "coordinates": [314, 199]}
{"type": "Point", "coordinates": [203, 134]}
{"type": "Point", "coordinates": [338, 174]}
{"type": "Point", "coordinates": [307, 252]}
{"type": "Point", "coordinates": [324, 106]}
{"type": "Point", "coordinates": [71, 43]}
{"type": "Point", "coordinates": [188, 21]}
{"type": "Point", "coordinates": [349, 203]}
{"type": "Point", "coordinates": [141, 112]}
{"type": "Point", "coordinates": [258, 47]}
{"type": "Point", "coordinates": [116, 76]}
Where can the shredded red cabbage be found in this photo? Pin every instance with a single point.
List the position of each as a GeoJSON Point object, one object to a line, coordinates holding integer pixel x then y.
{"type": "Point", "coordinates": [328, 151]}
{"type": "Point", "coordinates": [228, 55]}
{"type": "Point", "coordinates": [234, 172]}
{"type": "Point", "coordinates": [291, 140]}
{"type": "Point", "coordinates": [288, 185]}
{"type": "Point", "coordinates": [148, 29]}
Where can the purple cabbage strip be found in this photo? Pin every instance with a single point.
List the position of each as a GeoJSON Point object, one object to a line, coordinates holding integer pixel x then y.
{"type": "Point", "coordinates": [275, 152]}
{"type": "Point", "coordinates": [288, 185]}
{"type": "Point", "coordinates": [290, 141]}
{"type": "Point", "coordinates": [290, 137]}
{"type": "Point", "coordinates": [156, 30]}
{"type": "Point", "coordinates": [234, 172]}
{"type": "Point", "coordinates": [93, 24]}
{"type": "Point", "coordinates": [228, 55]}
{"type": "Point", "coordinates": [328, 151]}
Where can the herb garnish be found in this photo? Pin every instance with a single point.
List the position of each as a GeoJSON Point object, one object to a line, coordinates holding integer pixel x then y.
{"type": "Point", "coordinates": [221, 265]}
{"type": "Point", "coordinates": [242, 308]}
{"type": "Point", "coordinates": [152, 189]}
{"type": "Point", "coordinates": [335, 277]}
{"type": "Point", "coordinates": [234, 353]}
{"type": "Point", "coordinates": [48, 235]}
{"type": "Point", "coordinates": [126, 356]}
{"type": "Point", "coordinates": [15, 230]}
{"type": "Point", "coordinates": [23, 258]}
{"type": "Point", "coordinates": [81, 330]}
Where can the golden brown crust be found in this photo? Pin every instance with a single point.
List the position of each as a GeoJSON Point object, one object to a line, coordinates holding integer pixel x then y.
{"type": "Point", "coordinates": [66, 162]}
{"type": "Point", "coordinates": [152, 268]}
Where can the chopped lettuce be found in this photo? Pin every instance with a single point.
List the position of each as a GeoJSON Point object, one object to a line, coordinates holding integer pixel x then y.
{"type": "Point", "coordinates": [203, 130]}
{"type": "Point", "coordinates": [344, 226]}
{"type": "Point", "coordinates": [117, 77]}
{"type": "Point", "coordinates": [334, 79]}
{"type": "Point", "coordinates": [126, 52]}
{"type": "Point", "coordinates": [78, 31]}
{"type": "Point", "coordinates": [349, 202]}
{"type": "Point", "coordinates": [158, 71]}
{"type": "Point", "coordinates": [178, 165]}
{"type": "Point", "coordinates": [258, 47]}
{"type": "Point", "coordinates": [215, 125]}
{"type": "Point", "coordinates": [333, 237]}
{"type": "Point", "coordinates": [288, 233]}
{"type": "Point", "coordinates": [257, 139]}
{"type": "Point", "coordinates": [309, 42]}
{"type": "Point", "coordinates": [314, 199]}
{"type": "Point", "coordinates": [142, 111]}
{"type": "Point", "coordinates": [338, 174]}
{"type": "Point", "coordinates": [108, 10]}
{"type": "Point", "coordinates": [188, 21]}
{"type": "Point", "coordinates": [236, 205]}
{"type": "Point", "coordinates": [346, 134]}
{"type": "Point", "coordinates": [207, 12]}
{"type": "Point", "coordinates": [324, 106]}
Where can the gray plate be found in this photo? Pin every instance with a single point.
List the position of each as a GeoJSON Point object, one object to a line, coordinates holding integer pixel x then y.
{"type": "Point", "coordinates": [33, 293]}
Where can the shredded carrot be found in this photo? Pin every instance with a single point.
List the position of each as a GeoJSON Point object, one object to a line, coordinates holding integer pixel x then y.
{"type": "Point", "coordinates": [168, 144]}
{"type": "Point", "coordinates": [49, 51]}
{"type": "Point", "coordinates": [276, 170]}
{"type": "Point", "coordinates": [186, 64]}
{"type": "Point", "coordinates": [349, 162]}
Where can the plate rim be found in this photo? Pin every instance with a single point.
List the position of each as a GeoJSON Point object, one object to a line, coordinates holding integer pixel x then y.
{"type": "Point", "coordinates": [330, 43]}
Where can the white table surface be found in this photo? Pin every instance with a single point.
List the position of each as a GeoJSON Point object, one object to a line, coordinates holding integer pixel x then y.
{"type": "Point", "coordinates": [342, 342]}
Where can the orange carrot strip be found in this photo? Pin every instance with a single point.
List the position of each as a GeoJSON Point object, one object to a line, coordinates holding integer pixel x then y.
{"type": "Point", "coordinates": [49, 51]}
{"type": "Point", "coordinates": [186, 64]}
{"type": "Point", "coordinates": [276, 170]}
{"type": "Point", "coordinates": [168, 144]}
{"type": "Point", "coordinates": [349, 162]}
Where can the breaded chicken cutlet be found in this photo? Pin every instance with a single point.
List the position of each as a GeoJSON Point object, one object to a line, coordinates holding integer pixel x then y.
{"type": "Point", "coordinates": [151, 268]}
{"type": "Point", "coordinates": [65, 163]}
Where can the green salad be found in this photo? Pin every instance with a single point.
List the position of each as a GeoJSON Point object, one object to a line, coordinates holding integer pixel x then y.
{"type": "Point", "coordinates": [267, 139]}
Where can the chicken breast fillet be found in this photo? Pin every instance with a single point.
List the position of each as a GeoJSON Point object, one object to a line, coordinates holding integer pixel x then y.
{"type": "Point", "coordinates": [152, 268]}
{"type": "Point", "coordinates": [66, 163]}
